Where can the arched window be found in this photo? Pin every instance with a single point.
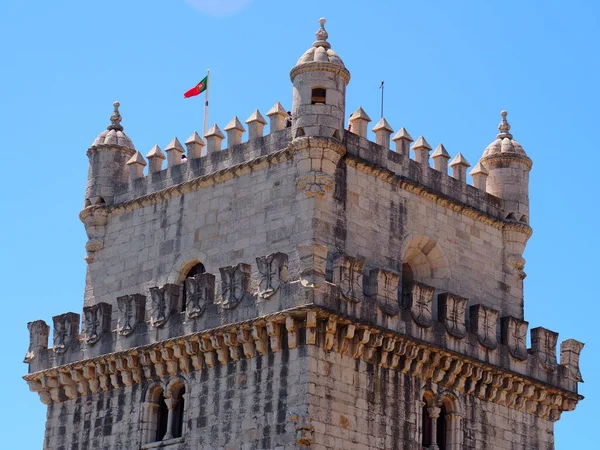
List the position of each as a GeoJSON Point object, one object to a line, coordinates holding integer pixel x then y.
{"type": "Point", "coordinates": [178, 410]}
{"type": "Point", "coordinates": [318, 96]}
{"type": "Point", "coordinates": [196, 269]}
{"type": "Point", "coordinates": [407, 278]}
{"type": "Point", "coordinates": [440, 424]}
{"type": "Point", "coordinates": [162, 418]}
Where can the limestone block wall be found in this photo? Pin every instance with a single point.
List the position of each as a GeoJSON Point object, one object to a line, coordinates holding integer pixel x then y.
{"type": "Point", "coordinates": [355, 405]}
{"type": "Point", "coordinates": [377, 218]}
{"type": "Point", "coordinates": [246, 405]}
{"type": "Point", "coordinates": [254, 214]}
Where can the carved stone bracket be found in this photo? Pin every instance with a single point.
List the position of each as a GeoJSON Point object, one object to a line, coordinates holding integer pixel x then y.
{"type": "Point", "coordinates": [200, 292]}
{"type": "Point", "coordinates": [38, 339]}
{"type": "Point", "coordinates": [383, 287]}
{"type": "Point", "coordinates": [235, 284]}
{"type": "Point", "coordinates": [419, 301]}
{"type": "Point", "coordinates": [543, 346]}
{"type": "Point", "coordinates": [484, 324]}
{"type": "Point", "coordinates": [132, 309]}
{"type": "Point", "coordinates": [164, 301]}
{"type": "Point", "coordinates": [348, 276]}
{"type": "Point", "coordinates": [514, 336]}
{"type": "Point", "coordinates": [96, 321]}
{"type": "Point", "coordinates": [315, 184]}
{"type": "Point", "coordinates": [273, 272]}
{"type": "Point", "coordinates": [452, 311]}
{"type": "Point", "coordinates": [66, 331]}
{"type": "Point", "coordinates": [94, 219]}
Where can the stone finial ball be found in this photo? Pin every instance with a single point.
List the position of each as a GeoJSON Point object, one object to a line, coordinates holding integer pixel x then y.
{"type": "Point", "coordinates": [504, 113]}
{"type": "Point", "coordinates": [116, 104]}
{"type": "Point", "coordinates": [322, 21]}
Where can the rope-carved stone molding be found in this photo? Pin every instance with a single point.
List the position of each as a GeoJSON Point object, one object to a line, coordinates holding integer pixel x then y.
{"type": "Point", "coordinates": [292, 328]}
{"type": "Point", "coordinates": [441, 199]}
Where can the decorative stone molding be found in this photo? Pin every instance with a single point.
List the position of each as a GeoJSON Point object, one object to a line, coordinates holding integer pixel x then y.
{"type": "Point", "coordinates": [449, 371]}
{"type": "Point", "coordinates": [132, 309]}
{"type": "Point", "coordinates": [483, 325]}
{"type": "Point", "coordinates": [66, 331]}
{"type": "Point", "coordinates": [273, 272]}
{"type": "Point", "coordinates": [419, 301]}
{"type": "Point", "coordinates": [164, 301]}
{"type": "Point", "coordinates": [38, 339]}
{"type": "Point", "coordinates": [96, 321]}
{"type": "Point", "coordinates": [348, 276]}
{"type": "Point", "coordinates": [200, 292]}
{"type": "Point", "coordinates": [235, 284]}
{"type": "Point", "coordinates": [452, 311]}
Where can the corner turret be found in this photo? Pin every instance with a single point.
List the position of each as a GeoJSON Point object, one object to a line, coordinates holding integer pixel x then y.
{"type": "Point", "coordinates": [508, 166]}
{"type": "Point", "coordinates": [319, 97]}
{"type": "Point", "coordinates": [108, 158]}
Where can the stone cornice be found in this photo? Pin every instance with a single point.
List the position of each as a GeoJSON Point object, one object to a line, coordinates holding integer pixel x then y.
{"type": "Point", "coordinates": [219, 176]}
{"type": "Point", "coordinates": [508, 157]}
{"type": "Point", "coordinates": [307, 325]}
{"type": "Point", "coordinates": [437, 197]}
{"type": "Point", "coordinates": [320, 67]}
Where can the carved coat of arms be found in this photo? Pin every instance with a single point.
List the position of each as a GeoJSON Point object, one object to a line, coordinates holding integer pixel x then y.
{"type": "Point", "coordinates": [235, 284]}
{"type": "Point", "coordinates": [164, 301]}
{"type": "Point", "coordinates": [273, 271]}
{"type": "Point", "coordinates": [96, 320]}
{"type": "Point", "coordinates": [66, 331]}
{"type": "Point", "coordinates": [348, 276]}
{"type": "Point", "coordinates": [199, 292]}
{"type": "Point", "coordinates": [132, 309]}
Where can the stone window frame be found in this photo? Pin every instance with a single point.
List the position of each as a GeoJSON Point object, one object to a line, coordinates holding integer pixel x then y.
{"type": "Point", "coordinates": [453, 417]}
{"type": "Point", "coordinates": [314, 97]}
{"type": "Point", "coordinates": [172, 393]}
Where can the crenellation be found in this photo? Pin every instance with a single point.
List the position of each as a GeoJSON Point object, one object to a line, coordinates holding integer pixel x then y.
{"type": "Point", "coordinates": [422, 148]}
{"type": "Point", "coordinates": [234, 130]}
{"type": "Point", "coordinates": [459, 167]}
{"type": "Point", "coordinates": [277, 116]}
{"type": "Point", "coordinates": [402, 139]}
{"type": "Point", "coordinates": [214, 138]}
{"type": "Point", "coordinates": [174, 151]}
{"type": "Point", "coordinates": [155, 157]}
{"type": "Point", "coordinates": [256, 124]}
{"type": "Point", "coordinates": [440, 159]}
{"type": "Point", "coordinates": [194, 145]}
{"type": "Point", "coordinates": [383, 131]}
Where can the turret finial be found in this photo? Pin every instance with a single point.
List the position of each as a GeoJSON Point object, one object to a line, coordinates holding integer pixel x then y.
{"type": "Point", "coordinates": [322, 35]}
{"type": "Point", "coordinates": [115, 118]}
{"type": "Point", "coordinates": [504, 127]}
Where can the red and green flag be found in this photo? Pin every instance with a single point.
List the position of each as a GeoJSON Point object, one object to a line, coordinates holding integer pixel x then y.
{"type": "Point", "coordinates": [198, 89]}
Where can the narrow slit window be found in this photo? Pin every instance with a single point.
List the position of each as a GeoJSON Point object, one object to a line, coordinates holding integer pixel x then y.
{"type": "Point", "coordinates": [319, 96]}
{"type": "Point", "coordinates": [178, 414]}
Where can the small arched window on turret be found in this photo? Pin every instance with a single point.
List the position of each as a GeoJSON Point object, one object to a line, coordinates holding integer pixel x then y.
{"type": "Point", "coordinates": [196, 269]}
{"type": "Point", "coordinates": [318, 96]}
{"type": "Point", "coordinates": [178, 411]}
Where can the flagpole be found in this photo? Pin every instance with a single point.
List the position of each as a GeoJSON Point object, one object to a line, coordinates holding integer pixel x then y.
{"type": "Point", "coordinates": [206, 104]}
{"type": "Point", "coordinates": [381, 87]}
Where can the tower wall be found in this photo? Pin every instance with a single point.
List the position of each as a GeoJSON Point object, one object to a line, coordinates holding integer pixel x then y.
{"type": "Point", "coordinates": [509, 180]}
{"type": "Point", "coordinates": [107, 171]}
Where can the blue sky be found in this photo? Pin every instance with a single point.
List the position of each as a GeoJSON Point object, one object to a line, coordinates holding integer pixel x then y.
{"type": "Point", "coordinates": [449, 68]}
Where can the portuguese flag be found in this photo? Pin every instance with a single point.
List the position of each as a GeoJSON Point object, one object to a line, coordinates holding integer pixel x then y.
{"type": "Point", "coordinates": [198, 89]}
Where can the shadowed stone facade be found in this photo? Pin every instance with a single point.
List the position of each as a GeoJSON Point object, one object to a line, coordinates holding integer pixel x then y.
{"type": "Point", "coordinates": [307, 288]}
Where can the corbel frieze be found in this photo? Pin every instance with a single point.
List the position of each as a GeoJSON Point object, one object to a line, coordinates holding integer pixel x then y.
{"type": "Point", "coordinates": [204, 350]}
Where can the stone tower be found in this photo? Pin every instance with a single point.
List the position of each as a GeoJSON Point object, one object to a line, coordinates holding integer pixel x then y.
{"type": "Point", "coordinates": [306, 288]}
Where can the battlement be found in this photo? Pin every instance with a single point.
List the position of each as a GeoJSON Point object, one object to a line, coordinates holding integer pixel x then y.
{"type": "Point", "coordinates": [311, 297]}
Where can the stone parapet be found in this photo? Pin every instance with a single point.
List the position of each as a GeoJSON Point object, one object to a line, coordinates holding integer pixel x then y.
{"type": "Point", "coordinates": [448, 336]}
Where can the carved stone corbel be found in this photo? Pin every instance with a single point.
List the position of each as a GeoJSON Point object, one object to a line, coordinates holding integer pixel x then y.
{"type": "Point", "coordinates": [274, 332]}
{"type": "Point", "coordinates": [292, 332]}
